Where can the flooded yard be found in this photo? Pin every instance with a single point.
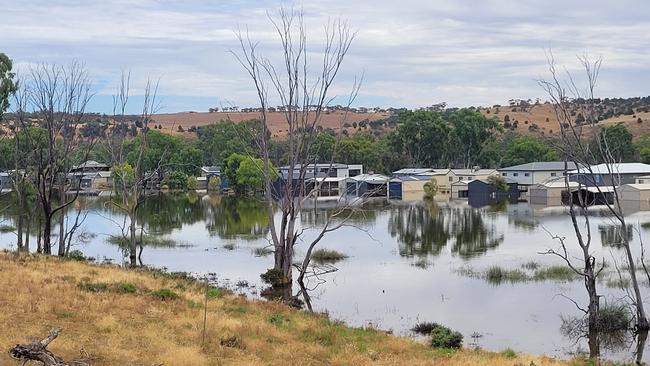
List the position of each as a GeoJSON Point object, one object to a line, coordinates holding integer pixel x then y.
{"type": "Point", "coordinates": [476, 270]}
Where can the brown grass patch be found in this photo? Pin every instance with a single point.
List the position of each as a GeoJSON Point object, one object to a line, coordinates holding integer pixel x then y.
{"type": "Point", "coordinates": [137, 328]}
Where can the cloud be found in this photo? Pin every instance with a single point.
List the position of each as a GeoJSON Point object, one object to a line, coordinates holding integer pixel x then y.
{"type": "Point", "coordinates": [411, 53]}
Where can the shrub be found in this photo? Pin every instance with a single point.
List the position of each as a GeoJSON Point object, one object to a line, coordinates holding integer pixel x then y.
{"type": "Point", "coordinates": [443, 337]}
{"type": "Point", "coordinates": [498, 182]}
{"type": "Point", "coordinates": [214, 183]}
{"type": "Point", "coordinates": [557, 273]}
{"type": "Point", "coordinates": [191, 183]}
{"type": "Point", "coordinates": [126, 288]}
{"type": "Point", "coordinates": [509, 353]}
{"type": "Point", "coordinates": [278, 319]}
{"type": "Point", "coordinates": [76, 255]}
{"type": "Point", "coordinates": [215, 293]}
{"type": "Point", "coordinates": [273, 277]}
{"type": "Point", "coordinates": [497, 275]}
{"type": "Point", "coordinates": [229, 246]}
{"type": "Point", "coordinates": [93, 287]}
{"type": "Point", "coordinates": [430, 188]}
{"type": "Point", "coordinates": [165, 294]}
{"type": "Point", "coordinates": [424, 328]}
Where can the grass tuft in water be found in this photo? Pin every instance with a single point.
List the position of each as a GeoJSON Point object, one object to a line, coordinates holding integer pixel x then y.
{"type": "Point", "coordinates": [262, 252]}
{"type": "Point", "coordinates": [555, 273]}
{"type": "Point", "coordinates": [497, 275]}
{"type": "Point", "coordinates": [327, 256]}
{"type": "Point", "coordinates": [147, 240]}
{"type": "Point", "coordinates": [229, 246]}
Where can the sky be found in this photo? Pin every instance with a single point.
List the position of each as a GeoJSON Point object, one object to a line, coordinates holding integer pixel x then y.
{"type": "Point", "coordinates": [410, 53]}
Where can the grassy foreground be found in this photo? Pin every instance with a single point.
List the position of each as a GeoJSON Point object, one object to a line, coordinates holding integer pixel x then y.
{"type": "Point", "coordinates": [125, 317]}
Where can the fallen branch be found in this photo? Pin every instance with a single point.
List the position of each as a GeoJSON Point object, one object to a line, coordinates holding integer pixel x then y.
{"type": "Point", "coordinates": [37, 351]}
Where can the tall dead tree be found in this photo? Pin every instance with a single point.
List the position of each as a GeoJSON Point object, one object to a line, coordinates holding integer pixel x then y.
{"type": "Point", "coordinates": [576, 150]}
{"type": "Point", "coordinates": [131, 180]}
{"type": "Point", "coordinates": [59, 95]}
{"type": "Point", "coordinates": [301, 82]}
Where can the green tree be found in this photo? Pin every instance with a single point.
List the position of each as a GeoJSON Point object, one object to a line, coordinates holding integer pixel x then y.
{"type": "Point", "coordinates": [220, 140]}
{"type": "Point", "coordinates": [7, 85]}
{"type": "Point", "coordinates": [214, 183]}
{"type": "Point", "coordinates": [617, 140]}
{"type": "Point", "coordinates": [498, 182]}
{"type": "Point", "coordinates": [471, 131]}
{"type": "Point", "coordinates": [527, 149]}
{"type": "Point", "coordinates": [191, 184]}
{"type": "Point", "coordinates": [430, 188]}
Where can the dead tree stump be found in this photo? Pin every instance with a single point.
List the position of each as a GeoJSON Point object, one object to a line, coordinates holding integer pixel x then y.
{"type": "Point", "coordinates": [37, 351]}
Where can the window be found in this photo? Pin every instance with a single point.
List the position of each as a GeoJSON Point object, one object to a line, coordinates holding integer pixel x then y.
{"type": "Point", "coordinates": [460, 178]}
{"type": "Point", "coordinates": [526, 174]}
{"type": "Point", "coordinates": [504, 174]}
{"type": "Point", "coordinates": [354, 172]}
{"type": "Point", "coordinates": [553, 174]}
{"type": "Point", "coordinates": [451, 179]}
{"type": "Point", "coordinates": [515, 174]}
{"type": "Point", "coordinates": [640, 181]}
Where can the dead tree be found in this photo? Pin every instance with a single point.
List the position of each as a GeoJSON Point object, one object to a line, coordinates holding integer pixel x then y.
{"type": "Point", "coordinates": [575, 150]}
{"type": "Point", "coordinates": [59, 95]}
{"type": "Point", "coordinates": [303, 88]}
{"type": "Point", "coordinates": [130, 181]}
{"type": "Point", "coordinates": [37, 351]}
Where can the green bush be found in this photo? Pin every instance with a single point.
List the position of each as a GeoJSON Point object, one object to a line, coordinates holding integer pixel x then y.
{"type": "Point", "coordinates": [165, 294]}
{"type": "Point", "coordinates": [94, 287]}
{"type": "Point", "coordinates": [273, 277]}
{"type": "Point", "coordinates": [191, 184]}
{"type": "Point", "coordinates": [76, 255]}
{"type": "Point", "coordinates": [327, 256]}
{"type": "Point", "coordinates": [215, 293]}
{"type": "Point", "coordinates": [443, 337]}
{"type": "Point", "coordinates": [126, 288]}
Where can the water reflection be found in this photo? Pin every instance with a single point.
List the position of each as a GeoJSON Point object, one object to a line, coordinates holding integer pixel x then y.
{"type": "Point", "coordinates": [612, 235]}
{"type": "Point", "coordinates": [236, 218]}
{"type": "Point", "coordinates": [423, 230]}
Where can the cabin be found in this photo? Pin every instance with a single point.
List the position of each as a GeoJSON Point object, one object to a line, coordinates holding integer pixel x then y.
{"type": "Point", "coordinates": [551, 192]}
{"type": "Point", "coordinates": [327, 188]}
{"type": "Point", "coordinates": [635, 197]}
{"type": "Point", "coordinates": [207, 172]}
{"type": "Point", "coordinates": [481, 193]}
{"type": "Point", "coordinates": [90, 177]}
{"type": "Point", "coordinates": [312, 172]}
{"type": "Point", "coordinates": [368, 185]}
{"type": "Point", "coordinates": [609, 175]}
{"type": "Point", "coordinates": [411, 187]}
{"type": "Point", "coordinates": [460, 189]}
{"type": "Point", "coordinates": [536, 172]}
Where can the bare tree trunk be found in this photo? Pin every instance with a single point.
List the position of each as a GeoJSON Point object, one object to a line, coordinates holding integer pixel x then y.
{"type": "Point", "coordinates": [62, 230]}
{"type": "Point", "coordinates": [39, 237]}
{"type": "Point", "coordinates": [133, 256]}
{"type": "Point", "coordinates": [28, 225]}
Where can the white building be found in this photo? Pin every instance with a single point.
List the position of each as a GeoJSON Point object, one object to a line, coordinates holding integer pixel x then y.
{"type": "Point", "coordinates": [537, 172]}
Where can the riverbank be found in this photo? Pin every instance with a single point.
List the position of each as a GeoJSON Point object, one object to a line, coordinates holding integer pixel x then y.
{"type": "Point", "coordinates": [114, 316]}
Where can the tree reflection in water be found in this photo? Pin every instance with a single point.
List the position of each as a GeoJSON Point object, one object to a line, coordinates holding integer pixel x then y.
{"type": "Point", "coordinates": [235, 218]}
{"type": "Point", "coordinates": [424, 229]}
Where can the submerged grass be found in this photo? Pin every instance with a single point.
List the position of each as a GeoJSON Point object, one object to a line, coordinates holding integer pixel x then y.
{"type": "Point", "coordinates": [498, 275]}
{"type": "Point", "coordinates": [531, 271]}
{"type": "Point", "coordinates": [147, 240]}
{"type": "Point", "coordinates": [555, 273]}
{"type": "Point", "coordinates": [113, 324]}
{"type": "Point", "coordinates": [327, 256]}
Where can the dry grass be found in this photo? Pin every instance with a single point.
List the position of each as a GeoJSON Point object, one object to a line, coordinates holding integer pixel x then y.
{"type": "Point", "coordinates": [277, 123]}
{"type": "Point", "coordinates": [137, 328]}
{"type": "Point", "coordinates": [538, 114]}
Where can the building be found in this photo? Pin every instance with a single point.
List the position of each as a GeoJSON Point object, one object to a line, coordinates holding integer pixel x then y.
{"type": "Point", "coordinates": [609, 175]}
{"type": "Point", "coordinates": [5, 182]}
{"type": "Point", "coordinates": [327, 188]}
{"type": "Point", "coordinates": [537, 172]}
{"type": "Point", "coordinates": [207, 172]}
{"type": "Point", "coordinates": [321, 170]}
{"type": "Point", "coordinates": [90, 177]}
{"type": "Point", "coordinates": [408, 187]}
{"type": "Point", "coordinates": [481, 193]}
{"type": "Point", "coordinates": [368, 185]}
{"type": "Point", "coordinates": [552, 192]}
{"type": "Point", "coordinates": [446, 177]}
{"type": "Point", "coordinates": [635, 197]}
{"type": "Point", "coordinates": [645, 179]}
{"type": "Point", "coordinates": [460, 189]}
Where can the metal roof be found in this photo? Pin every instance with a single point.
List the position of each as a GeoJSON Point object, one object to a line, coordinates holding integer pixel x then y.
{"type": "Point", "coordinates": [412, 171]}
{"type": "Point", "coordinates": [371, 178]}
{"type": "Point", "coordinates": [618, 168]}
{"type": "Point", "coordinates": [541, 166]}
{"type": "Point", "coordinates": [639, 187]}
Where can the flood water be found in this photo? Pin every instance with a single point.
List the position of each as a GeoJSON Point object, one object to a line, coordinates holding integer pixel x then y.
{"type": "Point", "coordinates": [407, 263]}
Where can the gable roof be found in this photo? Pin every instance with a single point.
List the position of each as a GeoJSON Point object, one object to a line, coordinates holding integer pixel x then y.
{"type": "Point", "coordinates": [412, 171]}
{"type": "Point", "coordinates": [541, 166]}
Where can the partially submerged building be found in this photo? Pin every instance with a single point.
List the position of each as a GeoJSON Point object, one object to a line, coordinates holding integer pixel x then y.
{"type": "Point", "coordinates": [551, 192]}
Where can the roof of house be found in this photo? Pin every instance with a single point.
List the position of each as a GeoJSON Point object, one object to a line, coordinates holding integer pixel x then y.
{"type": "Point", "coordinates": [638, 187]}
{"type": "Point", "coordinates": [541, 166]}
{"type": "Point", "coordinates": [90, 164]}
{"type": "Point", "coordinates": [474, 171]}
{"type": "Point", "coordinates": [371, 178]}
{"type": "Point", "coordinates": [328, 179]}
{"type": "Point", "coordinates": [508, 181]}
{"type": "Point", "coordinates": [618, 168]}
{"type": "Point", "coordinates": [643, 177]}
{"type": "Point", "coordinates": [556, 182]}
{"type": "Point", "coordinates": [410, 178]}
{"type": "Point", "coordinates": [317, 165]}
{"type": "Point", "coordinates": [211, 169]}
{"type": "Point", "coordinates": [412, 171]}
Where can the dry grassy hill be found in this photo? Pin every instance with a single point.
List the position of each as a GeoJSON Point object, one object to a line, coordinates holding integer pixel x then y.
{"type": "Point", "coordinates": [335, 120]}
{"type": "Point", "coordinates": [523, 121]}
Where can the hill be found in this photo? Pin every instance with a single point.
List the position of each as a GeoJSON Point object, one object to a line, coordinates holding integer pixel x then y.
{"type": "Point", "coordinates": [114, 316]}
{"type": "Point", "coordinates": [335, 120]}
{"type": "Point", "coordinates": [540, 119]}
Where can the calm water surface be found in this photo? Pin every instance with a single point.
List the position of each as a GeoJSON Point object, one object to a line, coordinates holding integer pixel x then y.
{"type": "Point", "coordinates": [408, 262]}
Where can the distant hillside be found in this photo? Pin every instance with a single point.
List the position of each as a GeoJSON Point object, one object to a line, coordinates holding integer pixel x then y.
{"type": "Point", "coordinates": [189, 121]}
{"type": "Point", "coordinates": [540, 119]}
